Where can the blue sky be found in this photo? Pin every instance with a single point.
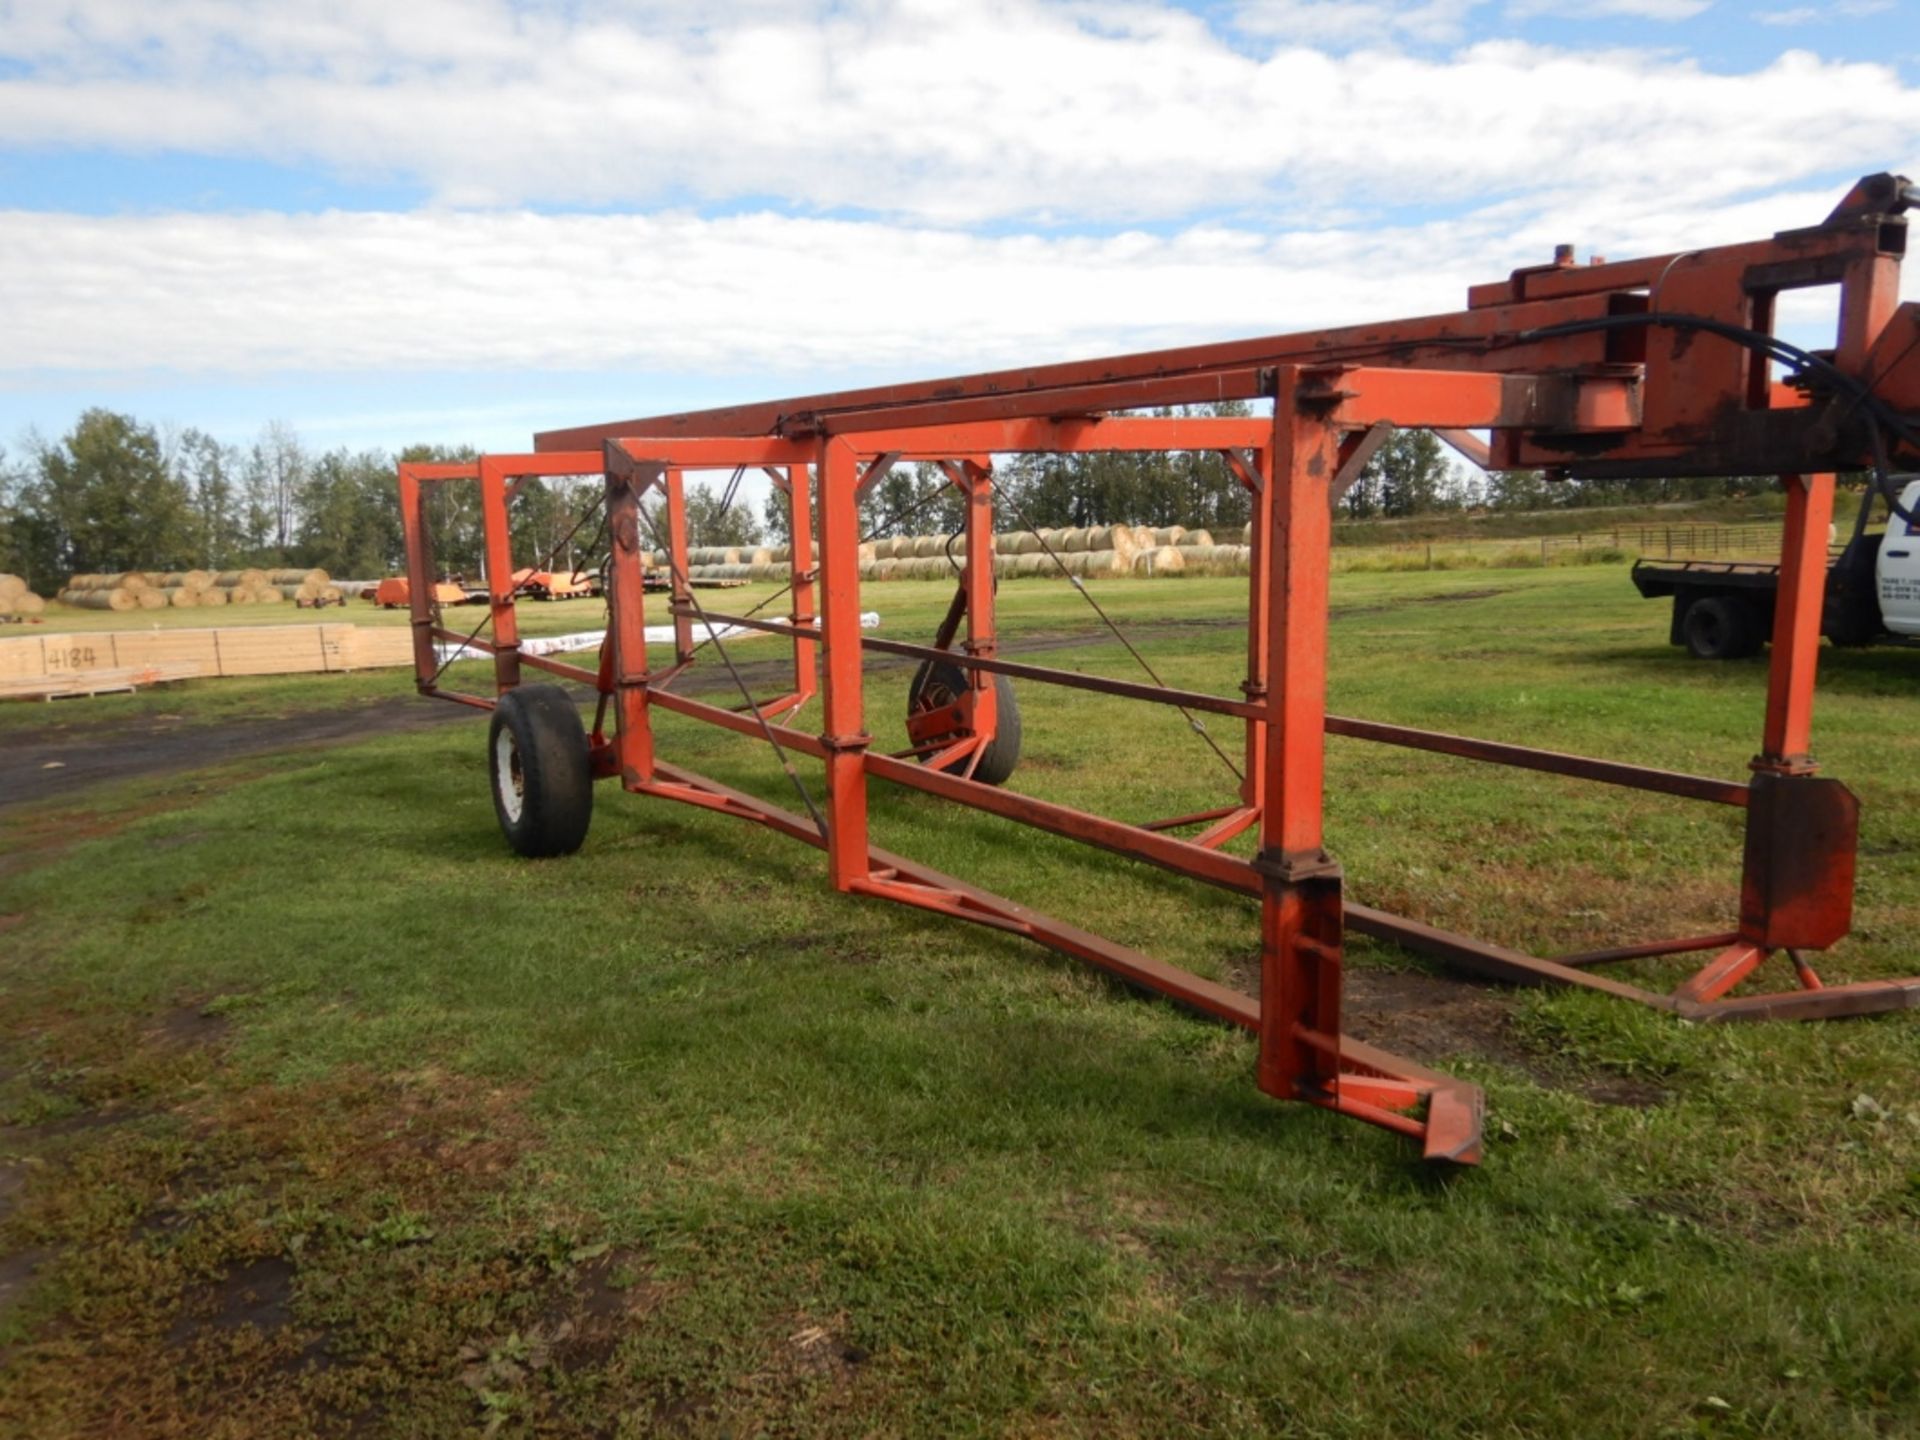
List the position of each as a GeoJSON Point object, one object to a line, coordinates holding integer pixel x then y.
{"type": "Point", "coordinates": [465, 220]}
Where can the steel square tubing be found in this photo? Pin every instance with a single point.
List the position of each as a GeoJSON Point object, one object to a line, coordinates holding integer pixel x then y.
{"type": "Point", "coordinates": [1155, 377]}
{"type": "Point", "coordinates": [1073, 434]}
{"type": "Point", "coordinates": [1493, 752]}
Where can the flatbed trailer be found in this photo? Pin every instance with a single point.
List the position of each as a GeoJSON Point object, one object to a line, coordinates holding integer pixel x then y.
{"type": "Point", "coordinates": [1724, 609]}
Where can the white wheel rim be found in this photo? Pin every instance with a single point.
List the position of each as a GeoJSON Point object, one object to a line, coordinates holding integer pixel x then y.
{"type": "Point", "coordinates": [508, 780]}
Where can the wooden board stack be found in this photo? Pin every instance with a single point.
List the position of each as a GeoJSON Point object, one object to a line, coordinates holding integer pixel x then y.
{"type": "Point", "coordinates": [43, 666]}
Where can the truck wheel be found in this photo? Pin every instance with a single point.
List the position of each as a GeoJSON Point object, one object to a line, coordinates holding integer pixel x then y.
{"type": "Point", "coordinates": [937, 683]}
{"type": "Point", "coordinates": [1721, 627]}
{"type": "Point", "coordinates": [542, 772]}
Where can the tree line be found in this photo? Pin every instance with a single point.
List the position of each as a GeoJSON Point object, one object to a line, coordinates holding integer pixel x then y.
{"type": "Point", "coordinates": [115, 493]}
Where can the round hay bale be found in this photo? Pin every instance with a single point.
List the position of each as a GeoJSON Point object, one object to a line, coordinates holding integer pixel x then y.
{"type": "Point", "coordinates": [1195, 537]}
{"type": "Point", "coordinates": [1031, 563]}
{"type": "Point", "coordinates": [96, 599]}
{"type": "Point", "coordinates": [1074, 542]}
{"type": "Point", "coordinates": [125, 580]}
{"type": "Point", "coordinates": [1109, 562]}
{"type": "Point", "coordinates": [229, 579]}
{"type": "Point", "coordinates": [297, 578]}
{"type": "Point", "coordinates": [1160, 560]}
{"type": "Point", "coordinates": [884, 568]}
{"type": "Point", "coordinates": [27, 603]}
{"type": "Point", "coordinates": [213, 595]}
{"type": "Point", "coordinates": [12, 587]}
{"type": "Point", "coordinates": [180, 597]}
{"type": "Point", "coordinates": [1005, 567]}
{"type": "Point", "coordinates": [266, 595]}
{"type": "Point", "coordinates": [150, 599]}
{"type": "Point", "coordinates": [928, 547]}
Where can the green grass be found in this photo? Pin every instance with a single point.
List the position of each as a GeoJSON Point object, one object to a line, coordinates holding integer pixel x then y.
{"type": "Point", "coordinates": [327, 1112]}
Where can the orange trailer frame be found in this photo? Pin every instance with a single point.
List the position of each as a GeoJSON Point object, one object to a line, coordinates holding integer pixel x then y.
{"type": "Point", "coordinates": [1654, 366]}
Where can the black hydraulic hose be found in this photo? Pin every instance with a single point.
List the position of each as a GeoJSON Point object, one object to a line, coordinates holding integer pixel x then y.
{"type": "Point", "coordinates": [1880, 415]}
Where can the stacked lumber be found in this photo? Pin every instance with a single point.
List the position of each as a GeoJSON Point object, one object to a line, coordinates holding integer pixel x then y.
{"type": "Point", "coordinates": [17, 602]}
{"type": "Point", "coordinates": [62, 664]}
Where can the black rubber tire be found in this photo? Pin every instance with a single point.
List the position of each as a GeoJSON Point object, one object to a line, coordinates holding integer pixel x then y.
{"type": "Point", "coordinates": [947, 680]}
{"type": "Point", "coordinates": [1721, 627]}
{"type": "Point", "coordinates": [537, 755]}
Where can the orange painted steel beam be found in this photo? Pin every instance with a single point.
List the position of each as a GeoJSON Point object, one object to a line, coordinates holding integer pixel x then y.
{"type": "Point", "coordinates": [1650, 366]}
{"type": "Point", "coordinates": [1787, 739]}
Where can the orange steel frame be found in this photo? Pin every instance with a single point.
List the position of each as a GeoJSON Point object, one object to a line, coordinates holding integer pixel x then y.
{"type": "Point", "coordinates": [1527, 362]}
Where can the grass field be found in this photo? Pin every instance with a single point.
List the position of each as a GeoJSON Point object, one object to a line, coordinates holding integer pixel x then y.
{"type": "Point", "coordinates": [325, 1115]}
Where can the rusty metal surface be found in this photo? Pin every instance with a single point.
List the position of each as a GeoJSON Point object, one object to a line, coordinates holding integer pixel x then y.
{"type": "Point", "coordinates": [1802, 835]}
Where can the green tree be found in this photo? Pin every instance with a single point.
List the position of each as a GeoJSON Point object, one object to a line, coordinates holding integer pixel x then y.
{"type": "Point", "coordinates": [104, 499]}
{"type": "Point", "coordinates": [1517, 490]}
{"type": "Point", "coordinates": [210, 473]}
{"type": "Point", "coordinates": [275, 472]}
{"type": "Point", "coordinates": [349, 515]}
{"type": "Point", "coordinates": [1410, 474]}
{"type": "Point", "coordinates": [712, 520]}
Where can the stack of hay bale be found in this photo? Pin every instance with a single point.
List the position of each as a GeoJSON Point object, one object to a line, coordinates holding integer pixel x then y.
{"type": "Point", "coordinates": [247, 587]}
{"type": "Point", "coordinates": [123, 590]}
{"type": "Point", "coordinates": [308, 589]}
{"type": "Point", "coordinates": [1099, 550]}
{"type": "Point", "coordinates": [189, 589]}
{"type": "Point", "coordinates": [17, 602]}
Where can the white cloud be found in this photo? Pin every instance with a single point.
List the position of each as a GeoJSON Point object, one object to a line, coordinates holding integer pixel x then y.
{"type": "Point", "coordinates": [765, 294]}
{"type": "Point", "coordinates": [1348, 22]}
{"type": "Point", "coordinates": [1669, 10]}
{"type": "Point", "coordinates": [948, 113]}
{"type": "Point", "coordinates": [1807, 14]}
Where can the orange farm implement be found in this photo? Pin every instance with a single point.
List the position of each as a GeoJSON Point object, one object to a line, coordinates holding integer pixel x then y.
{"type": "Point", "coordinates": [1661, 366]}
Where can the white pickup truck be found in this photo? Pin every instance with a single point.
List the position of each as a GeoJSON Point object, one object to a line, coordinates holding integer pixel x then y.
{"type": "Point", "coordinates": [1723, 610]}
